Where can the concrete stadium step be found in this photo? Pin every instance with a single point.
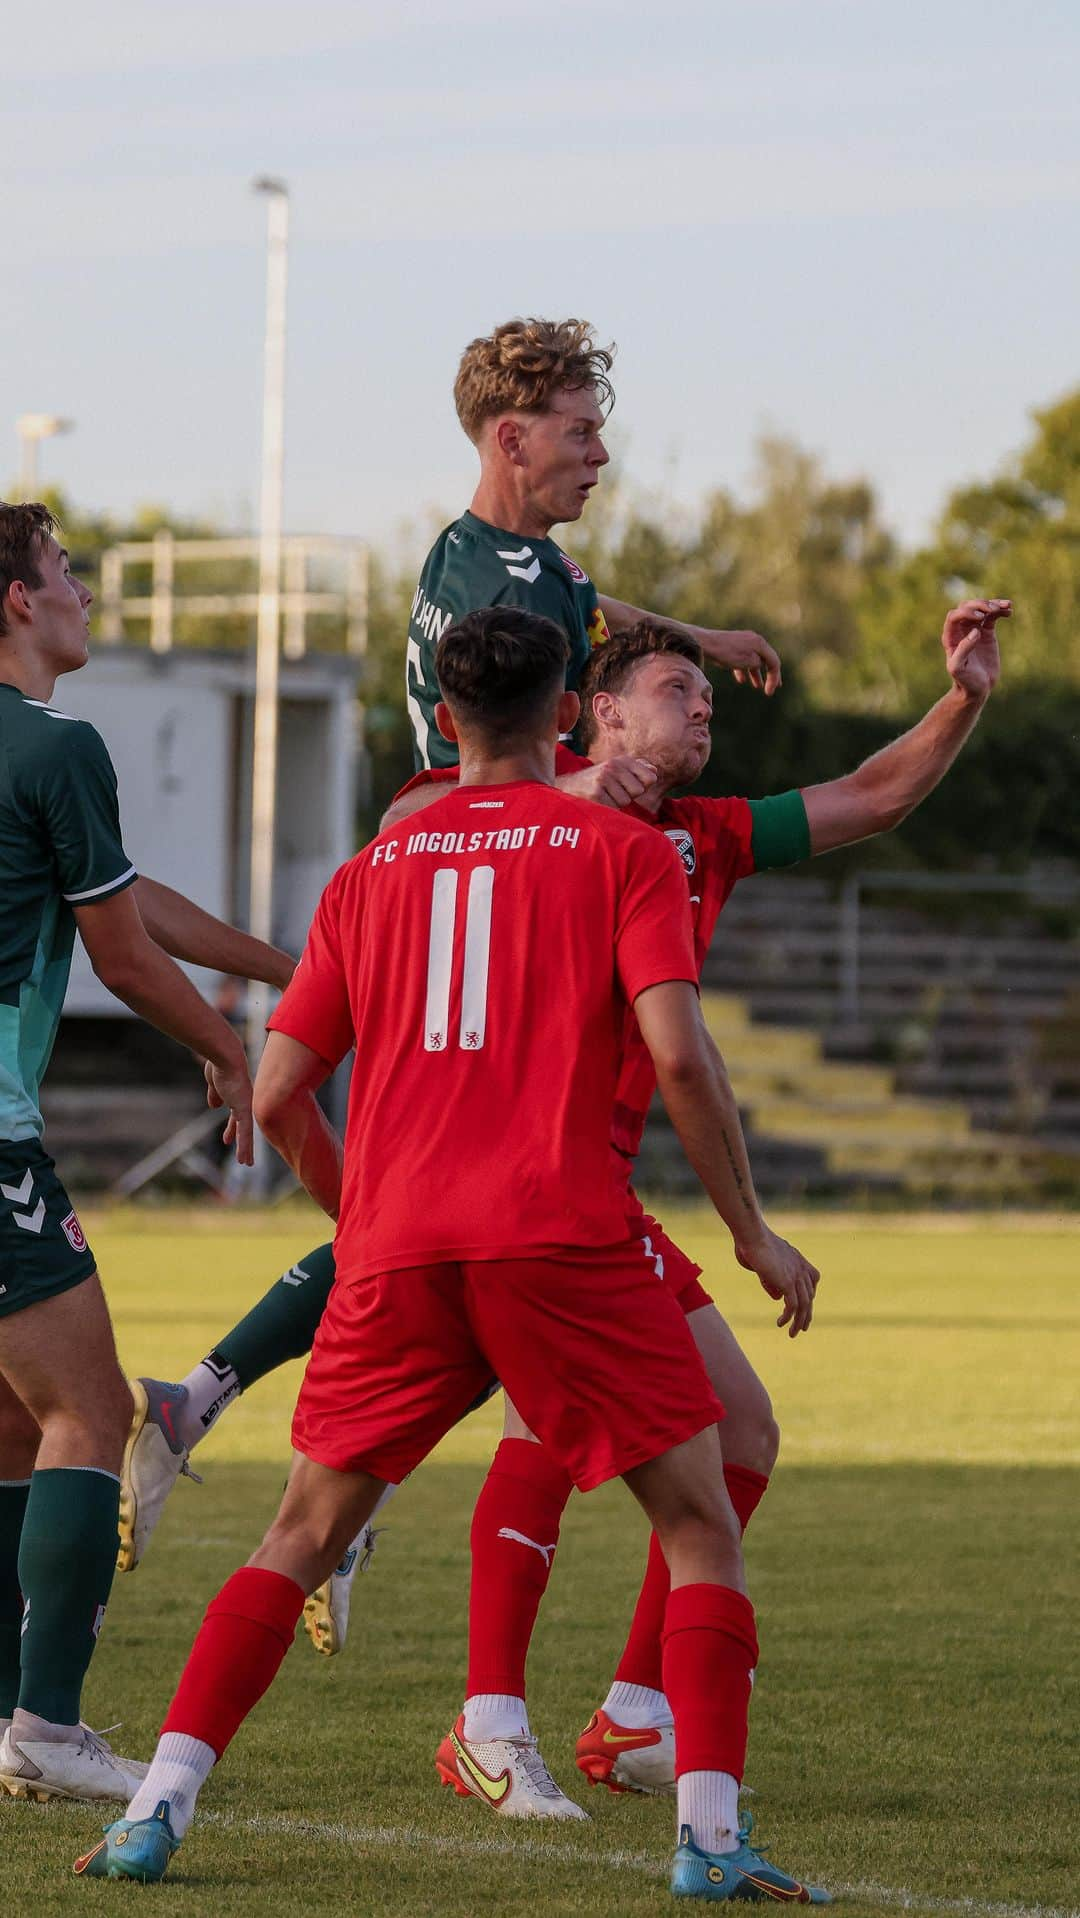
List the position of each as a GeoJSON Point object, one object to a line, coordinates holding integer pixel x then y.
{"type": "Point", "coordinates": [822, 1120]}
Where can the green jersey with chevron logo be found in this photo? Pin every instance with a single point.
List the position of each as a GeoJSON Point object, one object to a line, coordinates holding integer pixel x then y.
{"type": "Point", "coordinates": [471, 565]}
{"type": "Point", "coordinates": [60, 847]}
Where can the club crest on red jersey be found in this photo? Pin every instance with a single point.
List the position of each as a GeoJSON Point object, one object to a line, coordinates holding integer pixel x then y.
{"type": "Point", "coordinates": [684, 846]}
{"type": "Point", "coordinates": [579, 578]}
{"type": "Point", "coordinates": [73, 1233]}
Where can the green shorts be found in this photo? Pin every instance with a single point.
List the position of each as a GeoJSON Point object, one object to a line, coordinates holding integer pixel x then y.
{"type": "Point", "coordinates": [42, 1247]}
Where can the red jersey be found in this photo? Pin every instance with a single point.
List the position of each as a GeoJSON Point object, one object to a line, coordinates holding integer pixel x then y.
{"type": "Point", "coordinates": [483, 957]}
{"type": "Point", "coordinates": [713, 840]}
{"type": "Point", "coordinates": [719, 841]}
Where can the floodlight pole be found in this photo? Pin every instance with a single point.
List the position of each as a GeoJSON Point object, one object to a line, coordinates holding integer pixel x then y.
{"type": "Point", "coordinates": [265, 742]}
{"type": "Point", "coordinates": [32, 428]}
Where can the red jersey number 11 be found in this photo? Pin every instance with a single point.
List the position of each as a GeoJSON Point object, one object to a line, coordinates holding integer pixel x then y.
{"type": "Point", "coordinates": [474, 975]}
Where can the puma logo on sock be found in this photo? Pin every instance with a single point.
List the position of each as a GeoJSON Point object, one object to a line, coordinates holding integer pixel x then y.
{"type": "Point", "coordinates": [547, 1552]}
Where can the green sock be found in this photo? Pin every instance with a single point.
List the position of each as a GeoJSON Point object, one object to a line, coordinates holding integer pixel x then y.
{"type": "Point", "coordinates": [13, 1497]}
{"type": "Point", "coordinates": [67, 1557]}
{"type": "Point", "coordinates": [283, 1324]}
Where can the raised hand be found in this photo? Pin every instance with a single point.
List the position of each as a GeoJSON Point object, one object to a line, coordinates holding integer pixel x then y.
{"type": "Point", "coordinates": [971, 649]}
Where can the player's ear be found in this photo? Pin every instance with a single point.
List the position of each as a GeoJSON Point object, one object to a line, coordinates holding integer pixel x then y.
{"type": "Point", "coordinates": [606, 712]}
{"type": "Point", "coordinates": [509, 439]}
{"type": "Point", "coordinates": [444, 720]}
{"type": "Point", "coordinates": [567, 711]}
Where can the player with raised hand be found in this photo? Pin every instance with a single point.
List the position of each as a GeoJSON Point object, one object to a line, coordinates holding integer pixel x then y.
{"type": "Point", "coordinates": [65, 1407]}
{"type": "Point", "coordinates": [646, 698]}
{"type": "Point", "coordinates": [532, 396]}
{"type": "Point", "coordinates": [503, 1015]}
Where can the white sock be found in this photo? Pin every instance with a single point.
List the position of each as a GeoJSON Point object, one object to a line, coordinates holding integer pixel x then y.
{"type": "Point", "coordinates": [495, 1715]}
{"type": "Point", "coordinates": [709, 1804]}
{"type": "Point", "coordinates": [210, 1388]}
{"type": "Point", "coordinates": [637, 1707]}
{"type": "Point", "coordinates": [5, 1726]}
{"type": "Point", "coordinates": [178, 1768]}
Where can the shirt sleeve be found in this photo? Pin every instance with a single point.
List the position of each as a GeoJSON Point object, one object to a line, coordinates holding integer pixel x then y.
{"type": "Point", "coordinates": [315, 1007]}
{"type": "Point", "coordinates": [780, 833]}
{"type": "Point", "coordinates": [654, 937]}
{"type": "Point", "coordinates": [76, 796]}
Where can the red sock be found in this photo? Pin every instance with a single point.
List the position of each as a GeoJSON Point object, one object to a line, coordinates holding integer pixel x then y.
{"type": "Point", "coordinates": [515, 1530]}
{"type": "Point", "coordinates": [710, 1650]}
{"type": "Point", "coordinates": [746, 1489]}
{"type": "Point", "coordinates": [641, 1661]}
{"type": "Point", "coordinates": [241, 1642]}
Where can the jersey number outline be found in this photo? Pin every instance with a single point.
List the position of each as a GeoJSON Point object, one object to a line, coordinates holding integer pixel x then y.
{"type": "Point", "coordinates": [474, 973]}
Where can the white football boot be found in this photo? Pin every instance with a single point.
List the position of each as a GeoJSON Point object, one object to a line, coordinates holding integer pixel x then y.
{"type": "Point", "coordinates": [326, 1612]}
{"type": "Point", "coordinates": [85, 1767]}
{"type": "Point", "coordinates": [507, 1775]}
{"type": "Point", "coordinates": [154, 1458]}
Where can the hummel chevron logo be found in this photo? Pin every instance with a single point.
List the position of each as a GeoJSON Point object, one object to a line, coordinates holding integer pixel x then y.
{"type": "Point", "coordinates": [519, 571]}
{"type": "Point", "coordinates": [494, 1789]}
{"type": "Point", "coordinates": [21, 1195]}
{"type": "Point", "coordinates": [547, 1552]}
{"type": "Point", "coordinates": [295, 1275]}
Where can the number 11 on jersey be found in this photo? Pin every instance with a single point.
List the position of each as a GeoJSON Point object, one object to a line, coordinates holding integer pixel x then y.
{"type": "Point", "coordinates": [474, 976]}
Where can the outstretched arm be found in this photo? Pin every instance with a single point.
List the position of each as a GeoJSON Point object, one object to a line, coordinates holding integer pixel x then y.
{"type": "Point", "coordinates": [132, 966]}
{"type": "Point", "coordinates": [882, 792]}
{"type": "Point", "coordinates": [749, 657]}
{"type": "Point", "coordinates": [695, 1088]}
{"type": "Point", "coordinates": [187, 932]}
{"type": "Point", "coordinates": [289, 1115]}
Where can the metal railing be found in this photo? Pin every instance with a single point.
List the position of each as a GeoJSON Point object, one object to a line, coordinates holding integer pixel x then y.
{"type": "Point", "coordinates": [165, 554]}
{"type": "Point", "coordinates": [1038, 888]}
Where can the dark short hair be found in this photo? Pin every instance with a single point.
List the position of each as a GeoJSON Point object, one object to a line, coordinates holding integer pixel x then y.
{"type": "Point", "coordinates": [611, 665]}
{"type": "Point", "coordinates": [498, 668]}
{"type": "Point", "coordinates": [24, 533]}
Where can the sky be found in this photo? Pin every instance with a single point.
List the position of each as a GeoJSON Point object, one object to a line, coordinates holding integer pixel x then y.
{"type": "Point", "coordinates": [845, 221]}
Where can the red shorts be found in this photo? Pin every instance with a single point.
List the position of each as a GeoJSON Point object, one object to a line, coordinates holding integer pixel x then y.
{"type": "Point", "coordinates": [597, 1358]}
{"type": "Point", "coordinates": [681, 1276]}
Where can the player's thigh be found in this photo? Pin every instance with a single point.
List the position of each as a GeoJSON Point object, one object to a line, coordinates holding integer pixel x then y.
{"type": "Point", "coordinates": [60, 1358]}
{"type": "Point", "coordinates": [746, 1402]}
{"type": "Point", "coordinates": [20, 1435]}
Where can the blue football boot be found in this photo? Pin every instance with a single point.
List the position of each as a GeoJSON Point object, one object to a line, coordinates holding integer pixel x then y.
{"type": "Point", "coordinates": [132, 1848]}
{"type": "Point", "coordinates": [744, 1873]}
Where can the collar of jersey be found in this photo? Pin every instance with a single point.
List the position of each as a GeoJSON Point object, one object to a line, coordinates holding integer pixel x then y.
{"type": "Point", "coordinates": [475, 523]}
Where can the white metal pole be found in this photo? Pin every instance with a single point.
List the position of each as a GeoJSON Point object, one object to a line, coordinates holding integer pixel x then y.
{"type": "Point", "coordinates": [265, 746]}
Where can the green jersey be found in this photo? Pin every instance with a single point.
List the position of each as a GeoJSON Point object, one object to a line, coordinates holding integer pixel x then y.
{"type": "Point", "coordinates": [60, 847]}
{"type": "Point", "coordinates": [471, 565]}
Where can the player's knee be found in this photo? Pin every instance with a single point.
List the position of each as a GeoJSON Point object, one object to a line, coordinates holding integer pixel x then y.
{"type": "Point", "coordinates": [767, 1441]}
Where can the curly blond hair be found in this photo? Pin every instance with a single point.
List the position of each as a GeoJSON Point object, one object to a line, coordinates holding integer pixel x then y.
{"type": "Point", "coordinates": [523, 363]}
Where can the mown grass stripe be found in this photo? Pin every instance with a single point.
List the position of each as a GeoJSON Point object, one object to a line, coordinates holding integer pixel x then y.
{"type": "Point", "coordinates": [892, 1897]}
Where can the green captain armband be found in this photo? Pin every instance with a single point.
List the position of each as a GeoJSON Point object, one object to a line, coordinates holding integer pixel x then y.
{"type": "Point", "coordinates": [780, 830]}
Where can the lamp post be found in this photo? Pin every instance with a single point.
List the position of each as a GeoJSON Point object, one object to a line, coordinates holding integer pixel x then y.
{"type": "Point", "coordinates": [265, 741]}
{"type": "Point", "coordinates": [32, 428]}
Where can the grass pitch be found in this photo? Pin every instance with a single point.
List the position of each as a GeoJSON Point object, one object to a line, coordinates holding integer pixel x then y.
{"type": "Point", "coordinates": [914, 1735]}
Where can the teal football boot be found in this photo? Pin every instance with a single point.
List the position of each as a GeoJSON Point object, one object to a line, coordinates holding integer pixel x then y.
{"type": "Point", "coordinates": [132, 1848]}
{"type": "Point", "coordinates": [744, 1873]}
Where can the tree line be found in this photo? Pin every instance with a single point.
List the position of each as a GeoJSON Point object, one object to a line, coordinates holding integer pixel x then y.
{"type": "Point", "coordinates": [808, 560]}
